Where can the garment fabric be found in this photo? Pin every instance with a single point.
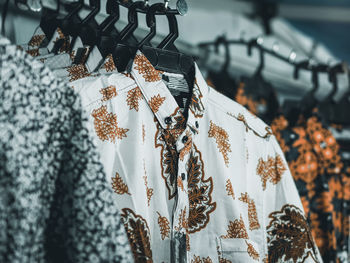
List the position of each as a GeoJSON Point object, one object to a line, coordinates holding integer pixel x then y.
{"type": "Point", "coordinates": [321, 177]}
{"type": "Point", "coordinates": [206, 184]}
{"type": "Point", "coordinates": [320, 173]}
{"type": "Point", "coordinates": [55, 203]}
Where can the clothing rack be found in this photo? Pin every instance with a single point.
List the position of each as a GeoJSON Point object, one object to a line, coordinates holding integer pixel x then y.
{"type": "Point", "coordinates": [307, 66]}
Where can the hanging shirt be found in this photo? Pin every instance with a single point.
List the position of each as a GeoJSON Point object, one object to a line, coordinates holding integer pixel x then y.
{"type": "Point", "coordinates": [55, 203]}
{"type": "Point", "coordinates": [322, 180]}
{"type": "Point", "coordinates": [203, 183]}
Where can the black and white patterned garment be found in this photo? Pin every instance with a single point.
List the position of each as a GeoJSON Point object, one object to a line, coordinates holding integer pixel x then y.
{"type": "Point", "coordinates": [55, 204]}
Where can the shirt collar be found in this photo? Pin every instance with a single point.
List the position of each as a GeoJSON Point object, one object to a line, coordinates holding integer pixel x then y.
{"type": "Point", "coordinates": [160, 99]}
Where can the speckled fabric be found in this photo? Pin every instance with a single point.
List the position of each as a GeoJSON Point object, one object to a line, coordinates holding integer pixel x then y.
{"type": "Point", "coordinates": [55, 204]}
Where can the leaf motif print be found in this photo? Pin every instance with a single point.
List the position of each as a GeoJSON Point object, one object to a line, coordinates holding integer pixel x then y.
{"type": "Point", "coordinates": [168, 159]}
{"type": "Point", "coordinates": [164, 226]}
{"type": "Point", "coordinates": [198, 259]}
{"type": "Point", "coordinates": [252, 213]}
{"type": "Point", "coordinates": [196, 105]}
{"type": "Point", "coordinates": [252, 252]}
{"type": "Point", "coordinates": [109, 65]}
{"type": "Point", "coordinates": [222, 140]}
{"type": "Point", "coordinates": [76, 72]}
{"type": "Point", "coordinates": [138, 234]}
{"type": "Point", "coordinates": [108, 93]}
{"type": "Point", "coordinates": [143, 133]}
{"type": "Point", "coordinates": [149, 191]}
{"type": "Point", "coordinates": [199, 193]}
{"type": "Point", "coordinates": [156, 102]}
{"type": "Point", "coordinates": [106, 125]}
{"type": "Point", "coordinates": [229, 189]}
{"type": "Point", "coordinates": [119, 186]}
{"type": "Point", "coordinates": [289, 238]}
{"type": "Point", "coordinates": [271, 170]}
{"type": "Point", "coordinates": [33, 52]}
{"type": "Point", "coordinates": [36, 40]}
{"type": "Point", "coordinates": [146, 69]}
{"type": "Point", "coordinates": [134, 95]}
{"type": "Point", "coordinates": [236, 229]}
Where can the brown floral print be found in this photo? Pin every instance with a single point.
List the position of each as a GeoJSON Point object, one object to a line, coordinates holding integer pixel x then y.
{"type": "Point", "coordinates": [146, 69]}
{"type": "Point", "coordinates": [271, 170]}
{"type": "Point", "coordinates": [229, 189]}
{"type": "Point", "coordinates": [106, 125]}
{"type": "Point", "coordinates": [108, 93]}
{"type": "Point", "coordinates": [36, 40]}
{"type": "Point", "coordinates": [156, 102]}
{"type": "Point", "coordinates": [199, 193]}
{"type": "Point", "coordinates": [109, 65]}
{"type": "Point", "coordinates": [222, 140]}
{"type": "Point", "coordinates": [289, 237]}
{"type": "Point", "coordinates": [119, 186]}
{"type": "Point", "coordinates": [236, 229]}
{"type": "Point", "coordinates": [252, 252]}
{"type": "Point", "coordinates": [134, 95]}
{"type": "Point", "coordinates": [149, 191]}
{"type": "Point", "coordinates": [139, 235]}
{"type": "Point", "coordinates": [252, 213]}
{"type": "Point", "coordinates": [76, 72]}
{"type": "Point", "coordinates": [164, 226]}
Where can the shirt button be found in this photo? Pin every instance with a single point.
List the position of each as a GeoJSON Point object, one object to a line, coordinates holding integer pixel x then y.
{"type": "Point", "coordinates": [197, 125]}
{"type": "Point", "coordinates": [184, 139]}
{"type": "Point", "coordinates": [168, 120]}
{"type": "Point", "coordinates": [183, 176]}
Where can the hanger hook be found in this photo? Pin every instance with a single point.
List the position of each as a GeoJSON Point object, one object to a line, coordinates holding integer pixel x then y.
{"type": "Point", "coordinates": [146, 2]}
{"type": "Point", "coordinates": [166, 4]}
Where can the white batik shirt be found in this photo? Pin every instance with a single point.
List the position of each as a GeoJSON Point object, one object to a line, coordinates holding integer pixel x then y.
{"type": "Point", "coordinates": [212, 187]}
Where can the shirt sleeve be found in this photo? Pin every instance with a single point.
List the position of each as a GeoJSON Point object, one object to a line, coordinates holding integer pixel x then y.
{"type": "Point", "coordinates": [288, 234]}
{"type": "Point", "coordinates": [84, 224]}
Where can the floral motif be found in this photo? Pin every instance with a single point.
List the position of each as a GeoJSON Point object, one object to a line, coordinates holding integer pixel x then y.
{"type": "Point", "coordinates": [236, 229]}
{"type": "Point", "coordinates": [106, 125]}
{"type": "Point", "coordinates": [229, 189]}
{"type": "Point", "coordinates": [149, 191]}
{"type": "Point", "coordinates": [33, 52]}
{"type": "Point", "coordinates": [36, 40]}
{"type": "Point", "coordinates": [199, 193]}
{"type": "Point", "coordinates": [143, 133]}
{"type": "Point", "coordinates": [119, 186]}
{"type": "Point", "coordinates": [196, 106]}
{"type": "Point", "coordinates": [156, 102]}
{"type": "Point", "coordinates": [134, 95]}
{"type": "Point", "coordinates": [146, 69]}
{"type": "Point", "coordinates": [164, 226]}
{"type": "Point", "coordinates": [168, 159]}
{"type": "Point", "coordinates": [109, 65]}
{"type": "Point", "coordinates": [271, 170]}
{"type": "Point", "coordinates": [289, 237]}
{"type": "Point", "coordinates": [108, 93]}
{"type": "Point", "coordinates": [198, 259]}
{"type": "Point", "coordinates": [252, 252]}
{"type": "Point", "coordinates": [76, 72]}
{"type": "Point", "coordinates": [252, 214]}
{"type": "Point", "coordinates": [222, 140]}
{"type": "Point", "coordinates": [325, 145]}
{"type": "Point", "coordinates": [139, 235]}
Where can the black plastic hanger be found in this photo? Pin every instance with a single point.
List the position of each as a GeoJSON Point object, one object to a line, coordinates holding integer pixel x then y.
{"type": "Point", "coordinates": [49, 20]}
{"type": "Point", "coordinates": [106, 30]}
{"type": "Point", "coordinates": [168, 42]}
{"type": "Point", "coordinates": [328, 107]}
{"type": "Point", "coordinates": [222, 80]}
{"type": "Point", "coordinates": [87, 30]}
{"type": "Point", "coordinates": [123, 53]}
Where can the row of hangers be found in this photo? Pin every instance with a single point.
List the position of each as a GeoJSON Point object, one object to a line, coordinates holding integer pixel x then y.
{"type": "Point", "coordinates": [332, 110]}
{"type": "Point", "coordinates": [123, 44]}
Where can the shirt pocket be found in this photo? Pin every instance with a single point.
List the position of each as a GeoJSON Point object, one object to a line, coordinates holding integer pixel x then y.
{"type": "Point", "coordinates": [237, 250]}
